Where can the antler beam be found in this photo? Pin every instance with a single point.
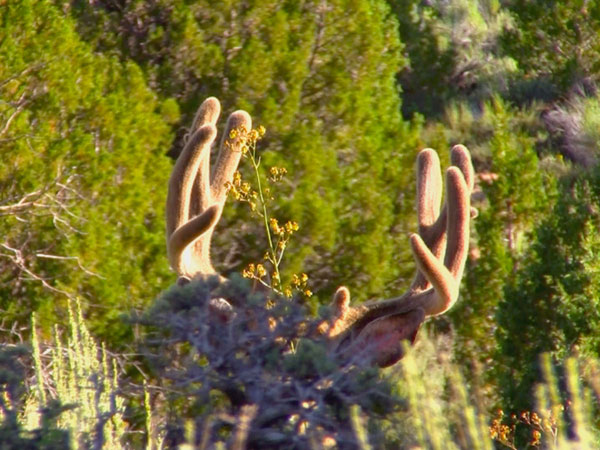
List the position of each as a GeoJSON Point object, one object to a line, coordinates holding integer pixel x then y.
{"type": "Point", "coordinates": [377, 329]}
{"type": "Point", "coordinates": [196, 195]}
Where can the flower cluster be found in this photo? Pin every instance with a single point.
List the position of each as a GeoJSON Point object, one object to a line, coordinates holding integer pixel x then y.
{"type": "Point", "coordinates": [256, 271]}
{"type": "Point", "coordinates": [276, 174]}
{"type": "Point", "coordinates": [242, 191]}
{"type": "Point", "coordinates": [505, 434]}
{"type": "Point", "coordinates": [501, 432]}
{"type": "Point", "coordinates": [248, 137]}
{"type": "Point", "coordinates": [298, 283]}
{"type": "Point", "coordinates": [278, 234]}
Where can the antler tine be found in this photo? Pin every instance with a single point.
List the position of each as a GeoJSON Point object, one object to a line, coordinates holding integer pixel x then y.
{"type": "Point", "coordinates": [429, 198]}
{"type": "Point", "coordinates": [429, 189]}
{"type": "Point", "coordinates": [194, 193]}
{"type": "Point", "coordinates": [460, 157]}
{"type": "Point", "coordinates": [208, 113]}
{"type": "Point", "coordinates": [186, 234]}
{"type": "Point", "coordinates": [445, 277]}
{"type": "Point", "coordinates": [213, 191]}
{"type": "Point", "coordinates": [459, 211]}
{"type": "Point", "coordinates": [180, 188]}
{"type": "Point", "coordinates": [432, 222]}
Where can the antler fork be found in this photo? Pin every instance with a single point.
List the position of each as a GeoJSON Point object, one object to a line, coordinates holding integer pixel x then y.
{"type": "Point", "coordinates": [196, 195]}
{"type": "Point", "coordinates": [376, 330]}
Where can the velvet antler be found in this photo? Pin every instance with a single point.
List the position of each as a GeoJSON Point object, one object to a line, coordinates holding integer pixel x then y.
{"type": "Point", "coordinates": [374, 330]}
{"type": "Point", "coordinates": [377, 330]}
{"type": "Point", "coordinates": [196, 195]}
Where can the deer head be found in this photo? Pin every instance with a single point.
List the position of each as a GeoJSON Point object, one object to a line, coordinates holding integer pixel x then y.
{"type": "Point", "coordinates": [377, 330]}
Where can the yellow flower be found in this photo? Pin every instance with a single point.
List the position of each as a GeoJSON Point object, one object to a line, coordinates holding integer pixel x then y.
{"type": "Point", "coordinates": [535, 438]}
{"type": "Point", "coordinates": [237, 178]}
{"type": "Point", "coordinates": [277, 173]}
{"type": "Point", "coordinates": [248, 272]}
{"type": "Point", "coordinates": [274, 224]}
{"type": "Point", "coordinates": [295, 280]}
{"type": "Point", "coordinates": [260, 270]}
{"type": "Point", "coordinates": [291, 226]}
{"type": "Point", "coordinates": [272, 323]}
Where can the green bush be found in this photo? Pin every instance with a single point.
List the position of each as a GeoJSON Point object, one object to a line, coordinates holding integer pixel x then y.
{"type": "Point", "coordinates": [216, 364]}
{"type": "Point", "coordinates": [83, 176]}
{"type": "Point", "coordinates": [552, 306]}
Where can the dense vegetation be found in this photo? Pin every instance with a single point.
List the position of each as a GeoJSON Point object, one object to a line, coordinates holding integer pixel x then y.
{"type": "Point", "coordinates": [95, 98]}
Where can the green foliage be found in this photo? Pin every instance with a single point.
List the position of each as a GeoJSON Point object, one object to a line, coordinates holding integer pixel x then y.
{"type": "Point", "coordinates": [321, 77]}
{"type": "Point", "coordinates": [222, 368]}
{"type": "Point", "coordinates": [215, 362]}
{"type": "Point", "coordinates": [454, 52]}
{"type": "Point", "coordinates": [555, 40]}
{"type": "Point", "coordinates": [552, 306]}
{"type": "Point", "coordinates": [93, 94]}
{"type": "Point", "coordinates": [442, 411]}
{"type": "Point", "coordinates": [83, 178]}
{"type": "Point", "coordinates": [46, 435]}
{"type": "Point", "coordinates": [83, 376]}
{"type": "Point", "coordinates": [514, 190]}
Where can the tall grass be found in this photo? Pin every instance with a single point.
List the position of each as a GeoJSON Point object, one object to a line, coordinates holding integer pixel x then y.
{"type": "Point", "coordinates": [438, 411]}
{"type": "Point", "coordinates": [444, 411]}
{"type": "Point", "coordinates": [81, 375]}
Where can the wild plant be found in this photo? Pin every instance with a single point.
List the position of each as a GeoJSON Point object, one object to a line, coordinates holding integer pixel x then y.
{"type": "Point", "coordinates": [81, 375]}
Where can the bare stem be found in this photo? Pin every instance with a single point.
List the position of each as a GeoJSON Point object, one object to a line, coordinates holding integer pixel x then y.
{"type": "Point", "coordinates": [274, 260]}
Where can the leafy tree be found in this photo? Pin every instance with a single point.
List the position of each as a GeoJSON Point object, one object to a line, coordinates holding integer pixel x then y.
{"type": "Point", "coordinates": [552, 306]}
{"type": "Point", "coordinates": [515, 190]}
{"type": "Point", "coordinates": [83, 178]}
{"type": "Point", "coordinates": [454, 52]}
{"type": "Point", "coordinates": [556, 40]}
{"type": "Point", "coordinates": [320, 76]}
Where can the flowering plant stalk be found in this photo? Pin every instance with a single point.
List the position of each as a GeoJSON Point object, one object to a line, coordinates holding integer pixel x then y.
{"type": "Point", "coordinates": [278, 235]}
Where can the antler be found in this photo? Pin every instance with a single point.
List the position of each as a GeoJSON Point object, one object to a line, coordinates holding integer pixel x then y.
{"type": "Point", "coordinates": [377, 329]}
{"type": "Point", "coordinates": [196, 196]}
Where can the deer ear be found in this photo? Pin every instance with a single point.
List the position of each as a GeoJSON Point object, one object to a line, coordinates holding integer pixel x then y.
{"type": "Point", "coordinates": [383, 339]}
